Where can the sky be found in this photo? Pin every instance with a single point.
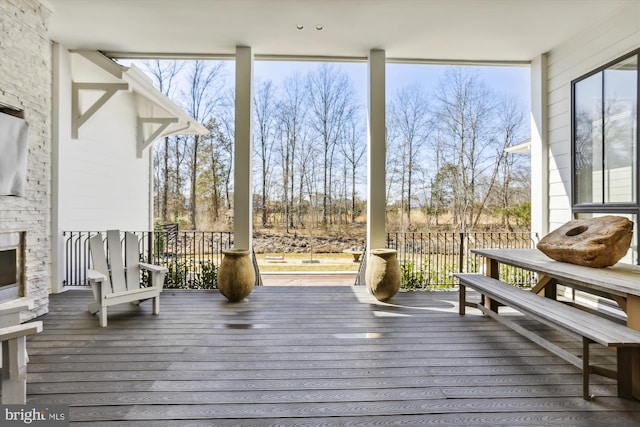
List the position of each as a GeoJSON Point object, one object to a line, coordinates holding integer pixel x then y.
{"type": "Point", "coordinates": [512, 81]}
{"type": "Point", "coordinates": [502, 81]}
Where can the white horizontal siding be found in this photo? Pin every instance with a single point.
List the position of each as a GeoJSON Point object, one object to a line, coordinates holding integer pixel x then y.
{"type": "Point", "coordinates": [102, 184]}
{"type": "Point", "coordinates": [555, 177]}
{"type": "Point", "coordinates": [587, 51]}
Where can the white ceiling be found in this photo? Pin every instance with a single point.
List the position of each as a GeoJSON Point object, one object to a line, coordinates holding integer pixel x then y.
{"type": "Point", "coordinates": [460, 30]}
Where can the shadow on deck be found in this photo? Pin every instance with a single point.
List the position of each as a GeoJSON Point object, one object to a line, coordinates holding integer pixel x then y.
{"type": "Point", "coordinates": [306, 356]}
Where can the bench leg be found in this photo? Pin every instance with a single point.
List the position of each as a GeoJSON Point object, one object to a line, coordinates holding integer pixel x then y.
{"type": "Point", "coordinates": [551, 290]}
{"type": "Point", "coordinates": [463, 299]}
{"type": "Point", "coordinates": [586, 369]}
{"type": "Point", "coordinates": [490, 304]}
{"type": "Point", "coordinates": [628, 372]}
{"type": "Point", "coordinates": [14, 371]}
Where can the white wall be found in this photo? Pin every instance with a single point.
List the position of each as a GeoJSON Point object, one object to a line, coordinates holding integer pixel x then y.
{"type": "Point", "coordinates": [99, 182]}
{"type": "Point", "coordinates": [102, 184]}
{"type": "Point", "coordinates": [595, 47]}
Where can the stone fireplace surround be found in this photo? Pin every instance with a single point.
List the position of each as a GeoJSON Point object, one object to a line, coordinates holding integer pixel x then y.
{"type": "Point", "coordinates": [12, 267]}
{"type": "Point", "coordinates": [25, 89]}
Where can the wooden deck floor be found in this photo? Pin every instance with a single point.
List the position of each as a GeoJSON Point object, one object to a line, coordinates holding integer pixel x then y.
{"type": "Point", "coordinates": [305, 356]}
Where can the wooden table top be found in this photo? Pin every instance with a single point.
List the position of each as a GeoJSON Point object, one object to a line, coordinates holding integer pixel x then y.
{"type": "Point", "coordinates": [621, 279]}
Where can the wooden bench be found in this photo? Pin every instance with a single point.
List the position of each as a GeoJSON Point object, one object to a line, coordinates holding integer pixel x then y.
{"type": "Point", "coordinates": [588, 327]}
{"type": "Point", "coordinates": [13, 353]}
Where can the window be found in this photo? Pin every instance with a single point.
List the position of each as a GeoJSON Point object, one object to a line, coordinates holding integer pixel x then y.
{"type": "Point", "coordinates": [605, 141]}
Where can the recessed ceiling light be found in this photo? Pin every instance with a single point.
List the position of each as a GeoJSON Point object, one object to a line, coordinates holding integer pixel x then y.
{"type": "Point", "coordinates": [300, 27]}
{"type": "Point", "coordinates": [319, 27]}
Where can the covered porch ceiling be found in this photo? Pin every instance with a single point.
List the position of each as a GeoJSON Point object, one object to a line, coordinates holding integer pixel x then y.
{"type": "Point", "coordinates": [475, 31]}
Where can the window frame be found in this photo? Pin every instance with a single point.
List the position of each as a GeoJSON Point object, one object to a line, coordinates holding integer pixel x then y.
{"type": "Point", "coordinates": [605, 207]}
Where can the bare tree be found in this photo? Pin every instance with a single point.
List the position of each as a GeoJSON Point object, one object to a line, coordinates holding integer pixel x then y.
{"type": "Point", "coordinates": [409, 115]}
{"type": "Point", "coordinates": [464, 115]}
{"type": "Point", "coordinates": [353, 150]}
{"type": "Point", "coordinates": [202, 95]}
{"type": "Point", "coordinates": [438, 199]}
{"type": "Point", "coordinates": [308, 132]}
{"type": "Point", "coordinates": [510, 119]}
{"type": "Point", "coordinates": [264, 107]}
{"type": "Point", "coordinates": [515, 167]}
{"type": "Point", "coordinates": [180, 159]}
{"type": "Point", "coordinates": [165, 74]}
{"type": "Point", "coordinates": [213, 170]}
{"type": "Point", "coordinates": [307, 167]}
{"type": "Point", "coordinates": [227, 134]}
{"type": "Point", "coordinates": [331, 105]}
{"type": "Point", "coordinates": [393, 159]}
{"type": "Point", "coordinates": [292, 115]}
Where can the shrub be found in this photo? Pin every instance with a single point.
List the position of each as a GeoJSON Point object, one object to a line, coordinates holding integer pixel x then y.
{"type": "Point", "coordinates": [411, 279]}
{"type": "Point", "coordinates": [191, 275]}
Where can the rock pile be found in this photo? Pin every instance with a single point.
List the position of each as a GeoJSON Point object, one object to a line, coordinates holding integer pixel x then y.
{"type": "Point", "coordinates": [272, 243]}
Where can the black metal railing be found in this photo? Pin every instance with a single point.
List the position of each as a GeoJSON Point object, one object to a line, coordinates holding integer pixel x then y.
{"type": "Point", "coordinates": [429, 260]}
{"type": "Point", "coordinates": [192, 257]}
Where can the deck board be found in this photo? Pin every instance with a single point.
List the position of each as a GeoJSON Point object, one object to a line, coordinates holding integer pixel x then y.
{"type": "Point", "coordinates": [307, 356]}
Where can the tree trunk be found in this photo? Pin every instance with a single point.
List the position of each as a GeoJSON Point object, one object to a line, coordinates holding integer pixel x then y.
{"type": "Point", "coordinates": [165, 177]}
{"type": "Point", "coordinates": [194, 172]}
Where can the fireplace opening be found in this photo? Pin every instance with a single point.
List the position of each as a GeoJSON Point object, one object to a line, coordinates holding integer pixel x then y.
{"type": "Point", "coordinates": [9, 270]}
{"type": "Point", "coordinates": [11, 265]}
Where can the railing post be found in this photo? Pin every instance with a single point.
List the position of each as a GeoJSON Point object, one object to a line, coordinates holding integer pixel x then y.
{"type": "Point", "coordinates": [461, 253]}
{"type": "Point", "coordinates": [150, 247]}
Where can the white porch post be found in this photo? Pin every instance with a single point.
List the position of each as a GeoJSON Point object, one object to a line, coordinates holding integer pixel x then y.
{"type": "Point", "coordinates": [242, 198]}
{"type": "Point", "coordinates": [539, 147]}
{"type": "Point", "coordinates": [60, 131]}
{"type": "Point", "coordinates": [376, 153]}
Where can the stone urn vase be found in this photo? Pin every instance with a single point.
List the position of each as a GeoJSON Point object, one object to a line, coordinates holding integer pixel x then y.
{"type": "Point", "coordinates": [236, 276]}
{"type": "Point", "coordinates": [383, 274]}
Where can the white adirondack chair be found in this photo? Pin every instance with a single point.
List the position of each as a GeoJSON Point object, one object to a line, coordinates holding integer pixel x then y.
{"type": "Point", "coordinates": [114, 282]}
{"type": "Point", "coordinates": [13, 352]}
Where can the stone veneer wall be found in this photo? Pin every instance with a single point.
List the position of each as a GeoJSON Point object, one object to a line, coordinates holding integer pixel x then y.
{"type": "Point", "coordinates": [25, 84]}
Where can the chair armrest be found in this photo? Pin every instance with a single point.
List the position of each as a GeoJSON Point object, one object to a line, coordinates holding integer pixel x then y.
{"type": "Point", "coordinates": [100, 284]}
{"type": "Point", "coordinates": [156, 272]}
{"type": "Point", "coordinates": [15, 306]}
{"type": "Point", "coordinates": [11, 332]}
{"type": "Point", "coordinates": [10, 311]}
{"type": "Point", "coordinates": [96, 276]}
{"type": "Point", "coordinates": [153, 268]}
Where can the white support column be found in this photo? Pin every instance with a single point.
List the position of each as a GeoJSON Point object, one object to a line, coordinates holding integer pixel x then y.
{"type": "Point", "coordinates": [242, 197]}
{"type": "Point", "coordinates": [376, 152]}
{"type": "Point", "coordinates": [60, 131]}
{"type": "Point", "coordinates": [539, 147]}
